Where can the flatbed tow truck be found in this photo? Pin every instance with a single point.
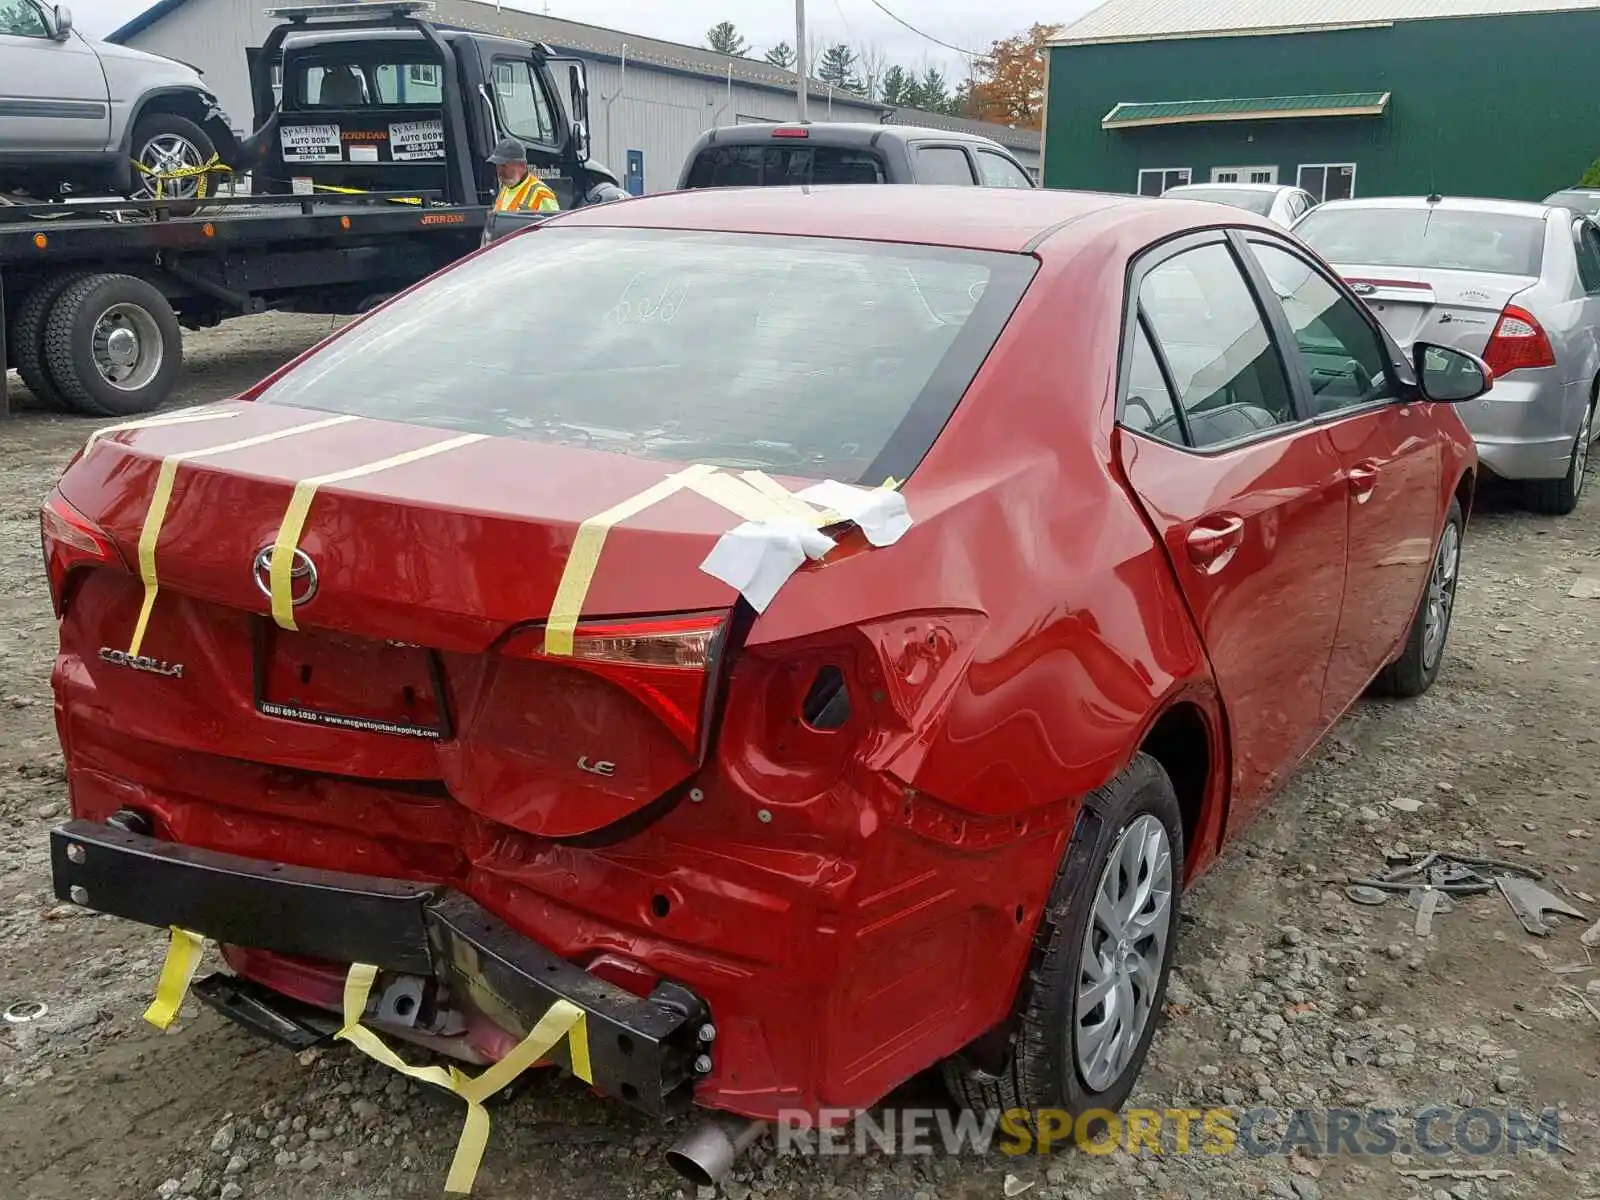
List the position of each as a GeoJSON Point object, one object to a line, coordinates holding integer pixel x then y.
{"type": "Point", "coordinates": [368, 173]}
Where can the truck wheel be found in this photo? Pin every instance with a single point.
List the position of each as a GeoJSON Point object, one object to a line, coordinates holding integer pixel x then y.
{"type": "Point", "coordinates": [166, 142]}
{"type": "Point", "coordinates": [26, 340]}
{"type": "Point", "coordinates": [1098, 973]}
{"type": "Point", "coordinates": [113, 346]}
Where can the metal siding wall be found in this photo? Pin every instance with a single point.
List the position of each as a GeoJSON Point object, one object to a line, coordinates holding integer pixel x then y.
{"type": "Point", "coordinates": [1490, 106]}
{"type": "Point", "coordinates": [212, 35]}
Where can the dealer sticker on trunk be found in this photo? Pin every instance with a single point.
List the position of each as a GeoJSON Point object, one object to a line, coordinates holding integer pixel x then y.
{"type": "Point", "coordinates": [414, 141]}
{"type": "Point", "coordinates": [311, 143]}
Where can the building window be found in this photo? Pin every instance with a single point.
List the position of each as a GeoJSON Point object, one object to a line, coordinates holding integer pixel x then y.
{"type": "Point", "coordinates": [1328, 181]}
{"type": "Point", "coordinates": [1155, 180]}
{"type": "Point", "coordinates": [423, 74]}
{"type": "Point", "coordinates": [1244, 174]}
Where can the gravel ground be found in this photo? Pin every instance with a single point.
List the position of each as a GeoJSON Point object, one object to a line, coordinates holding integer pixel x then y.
{"type": "Point", "coordinates": [1286, 995]}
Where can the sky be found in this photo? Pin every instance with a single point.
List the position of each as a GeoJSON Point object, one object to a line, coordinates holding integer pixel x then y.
{"type": "Point", "coordinates": [968, 24]}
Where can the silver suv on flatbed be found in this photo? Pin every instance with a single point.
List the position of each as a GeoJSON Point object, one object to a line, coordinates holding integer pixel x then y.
{"type": "Point", "coordinates": [77, 114]}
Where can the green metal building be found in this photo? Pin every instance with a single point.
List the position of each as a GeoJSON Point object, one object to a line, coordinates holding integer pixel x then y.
{"type": "Point", "coordinates": [1342, 97]}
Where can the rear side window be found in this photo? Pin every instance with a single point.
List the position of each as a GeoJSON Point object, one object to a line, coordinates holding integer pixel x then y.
{"type": "Point", "coordinates": [943, 165]}
{"type": "Point", "coordinates": [1588, 244]}
{"type": "Point", "coordinates": [1230, 379]}
{"type": "Point", "coordinates": [783, 166]}
{"type": "Point", "coordinates": [999, 171]}
{"type": "Point", "coordinates": [1451, 239]}
{"type": "Point", "coordinates": [1148, 407]}
{"type": "Point", "coordinates": [801, 356]}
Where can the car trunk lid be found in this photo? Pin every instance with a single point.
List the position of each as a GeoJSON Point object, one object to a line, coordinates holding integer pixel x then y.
{"type": "Point", "coordinates": [1449, 308]}
{"type": "Point", "coordinates": [413, 646]}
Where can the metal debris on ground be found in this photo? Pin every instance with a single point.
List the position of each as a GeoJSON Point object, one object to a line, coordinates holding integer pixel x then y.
{"type": "Point", "coordinates": [1530, 902]}
{"type": "Point", "coordinates": [24, 1011]}
{"type": "Point", "coordinates": [1591, 937]}
{"type": "Point", "coordinates": [1432, 881]}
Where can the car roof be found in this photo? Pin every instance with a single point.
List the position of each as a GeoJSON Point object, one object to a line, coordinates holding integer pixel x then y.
{"type": "Point", "coordinates": [845, 133]}
{"type": "Point", "coordinates": [1508, 208]}
{"type": "Point", "coordinates": [1234, 187]}
{"type": "Point", "coordinates": [1003, 219]}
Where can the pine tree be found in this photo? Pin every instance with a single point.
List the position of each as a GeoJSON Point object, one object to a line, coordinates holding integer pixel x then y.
{"type": "Point", "coordinates": [897, 86]}
{"type": "Point", "coordinates": [838, 67]}
{"type": "Point", "coordinates": [782, 56]}
{"type": "Point", "coordinates": [725, 38]}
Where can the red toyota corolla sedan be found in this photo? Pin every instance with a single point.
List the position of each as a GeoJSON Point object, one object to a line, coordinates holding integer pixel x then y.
{"type": "Point", "coordinates": [750, 647]}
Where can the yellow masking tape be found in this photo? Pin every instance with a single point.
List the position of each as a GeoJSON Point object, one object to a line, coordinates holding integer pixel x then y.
{"type": "Point", "coordinates": [183, 418]}
{"type": "Point", "coordinates": [294, 518]}
{"type": "Point", "coordinates": [562, 1020]}
{"type": "Point", "coordinates": [585, 556]}
{"type": "Point", "coordinates": [787, 500]}
{"type": "Point", "coordinates": [156, 514]}
{"type": "Point", "coordinates": [183, 959]}
{"type": "Point", "coordinates": [749, 503]}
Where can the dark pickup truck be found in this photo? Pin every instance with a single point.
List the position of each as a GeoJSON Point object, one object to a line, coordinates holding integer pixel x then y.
{"type": "Point", "coordinates": [843, 152]}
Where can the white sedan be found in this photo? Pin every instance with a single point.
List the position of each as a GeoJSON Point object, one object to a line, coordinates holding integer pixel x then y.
{"type": "Point", "coordinates": [1279, 203]}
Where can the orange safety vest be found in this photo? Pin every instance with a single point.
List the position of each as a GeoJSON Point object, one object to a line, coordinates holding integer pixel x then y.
{"type": "Point", "coordinates": [530, 194]}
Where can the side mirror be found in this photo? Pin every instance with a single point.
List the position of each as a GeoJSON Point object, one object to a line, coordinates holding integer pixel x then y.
{"type": "Point", "coordinates": [1449, 376]}
{"type": "Point", "coordinates": [61, 24]}
{"type": "Point", "coordinates": [579, 87]}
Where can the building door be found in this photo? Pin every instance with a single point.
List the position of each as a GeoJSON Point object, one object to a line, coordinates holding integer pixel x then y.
{"type": "Point", "coordinates": [1244, 174]}
{"type": "Point", "coordinates": [1328, 181]}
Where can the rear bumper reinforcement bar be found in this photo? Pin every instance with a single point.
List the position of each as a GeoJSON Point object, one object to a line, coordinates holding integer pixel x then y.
{"type": "Point", "coordinates": [642, 1050]}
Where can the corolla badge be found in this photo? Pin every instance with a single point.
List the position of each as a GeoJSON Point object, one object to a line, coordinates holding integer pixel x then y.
{"type": "Point", "coordinates": [302, 575]}
{"type": "Point", "coordinates": [138, 662]}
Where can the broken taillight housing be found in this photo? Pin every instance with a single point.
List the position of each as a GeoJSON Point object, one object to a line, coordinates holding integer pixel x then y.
{"type": "Point", "coordinates": [666, 663]}
{"type": "Point", "coordinates": [69, 540]}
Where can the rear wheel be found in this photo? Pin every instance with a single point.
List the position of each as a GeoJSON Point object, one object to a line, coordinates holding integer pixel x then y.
{"type": "Point", "coordinates": [113, 345]}
{"type": "Point", "coordinates": [1089, 1004]}
{"type": "Point", "coordinates": [1558, 497]}
{"type": "Point", "coordinates": [26, 340]}
{"type": "Point", "coordinates": [1418, 665]}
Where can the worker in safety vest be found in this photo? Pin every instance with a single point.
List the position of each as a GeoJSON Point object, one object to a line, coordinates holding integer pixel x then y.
{"type": "Point", "coordinates": [520, 189]}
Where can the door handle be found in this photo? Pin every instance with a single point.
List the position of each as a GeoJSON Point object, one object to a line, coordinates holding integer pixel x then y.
{"type": "Point", "coordinates": [1363, 479]}
{"type": "Point", "coordinates": [1214, 541]}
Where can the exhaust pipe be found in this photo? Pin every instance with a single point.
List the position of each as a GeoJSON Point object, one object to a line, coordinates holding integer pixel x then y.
{"type": "Point", "coordinates": [707, 1153]}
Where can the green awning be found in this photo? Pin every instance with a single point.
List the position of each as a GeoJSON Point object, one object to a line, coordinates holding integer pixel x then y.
{"type": "Point", "coordinates": [1132, 114]}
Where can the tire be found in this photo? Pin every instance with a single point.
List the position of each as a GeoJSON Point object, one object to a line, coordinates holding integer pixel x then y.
{"type": "Point", "coordinates": [1558, 497]}
{"type": "Point", "coordinates": [162, 138]}
{"type": "Point", "coordinates": [1418, 665]}
{"type": "Point", "coordinates": [1046, 1070]}
{"type": "Point", "coordinates": [26, 340]}
{"type": "Point", "coordinates": [86, 368]}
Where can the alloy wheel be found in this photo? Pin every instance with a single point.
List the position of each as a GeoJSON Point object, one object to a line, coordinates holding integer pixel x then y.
{"type": "Point", "coordinates": [1441, 595]}
{"type": "Point", "coordinates": [1580, 452]}
{"type": "Point", "coordinates": [1124, 949]}
{"type": "Point", "coordinates": [163, 155]}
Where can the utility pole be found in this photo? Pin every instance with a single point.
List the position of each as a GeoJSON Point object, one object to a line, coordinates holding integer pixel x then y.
{"type": "Point", "coordinates": [802, 65]}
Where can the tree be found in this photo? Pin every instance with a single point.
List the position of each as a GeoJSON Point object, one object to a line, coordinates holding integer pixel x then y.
{"type": "Point", "coordinates": [782, 56]}
{"type": "Point", "coordinates": [1009, 84]}
{"type": "Point", "coordinates": [874, 66]}
{"type": "Point", "coordinates": [931, 93]}
{"type": "Point", "coordinates": [897, 86]}
{"type": "Point", "coordinates": [1591, 177]}
{"type": "Point", "coordinates": [838, 67]}
{"type": "Point", "coordinates": [725, 38]}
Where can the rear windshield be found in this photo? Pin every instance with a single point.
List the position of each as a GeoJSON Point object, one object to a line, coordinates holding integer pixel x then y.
{"type": "Point", "coordinates": [1495, 243]}
{"type": "Point", "coordinates": [801, 356]}
{"type": "Point", "coordinates": [783, 166]}
{"type": "Point", "coordinates": [1583, 202]}
{"type": "Point", "coordinates": [366, 84]}
{"type": "Point", "coordinates": [1256, 202]}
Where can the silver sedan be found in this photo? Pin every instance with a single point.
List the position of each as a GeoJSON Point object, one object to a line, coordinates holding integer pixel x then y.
{"type": "Point", "coordinates": [1516, 284]}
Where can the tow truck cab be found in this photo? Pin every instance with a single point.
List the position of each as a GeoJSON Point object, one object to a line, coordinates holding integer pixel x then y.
{"type": "Point", "coordinates": [373, 97]}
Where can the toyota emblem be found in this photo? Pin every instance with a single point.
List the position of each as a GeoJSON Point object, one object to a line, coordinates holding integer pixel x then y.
{"type": "Point", "coordinates": [302, 575]}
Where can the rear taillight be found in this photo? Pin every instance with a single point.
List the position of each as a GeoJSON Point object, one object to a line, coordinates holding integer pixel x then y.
{"type": "Point", "coordinates": [666, 663]}
{"type": "Point", "coordinates": [70, 540]}
{"type": "Point", "coordinates": [1518, 342]}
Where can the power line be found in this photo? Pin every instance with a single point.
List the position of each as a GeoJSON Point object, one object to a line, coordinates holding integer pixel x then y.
{"type": "Point", "coordinates": [899, 20]}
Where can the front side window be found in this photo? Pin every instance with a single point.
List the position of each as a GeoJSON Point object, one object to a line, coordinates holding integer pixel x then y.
{"type": "Point", "coordinates": [1343, 354]}
{"type": "Point", "coordinates": [783, 166]}
{"type": "Point", "coordinates": [804, 356]}
{"type": "Point", "coordinates": [1449, 238]}
{"type": "Point", "coordinates": [1228, 374]}
{"type": "Point", "coordinates": [944, 165]}
{"type": "Point", "coordinates": [999, 171]}
{"type": "Point", "coordinates": [21, 18]}
{"type": "Point", "coordinates": [1588, 241]}
{"type": "Point", "coordinates": [524, 107]}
